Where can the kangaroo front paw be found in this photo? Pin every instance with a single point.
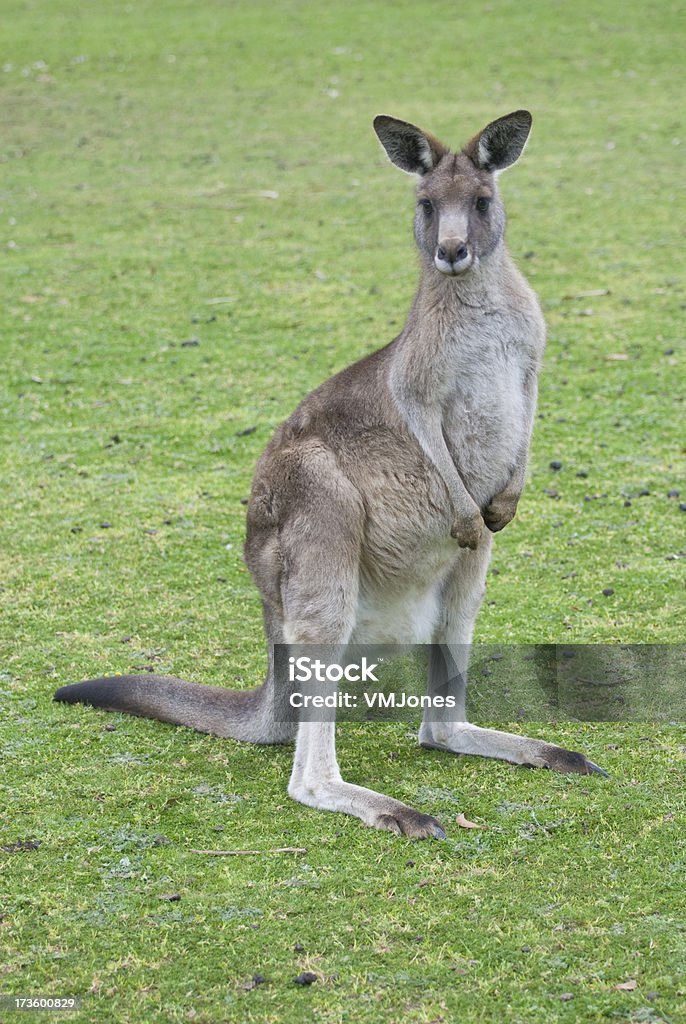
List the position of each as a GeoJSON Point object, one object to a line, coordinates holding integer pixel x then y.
{"type": "Point", "coordinates": [499, 513]}
{"type": "Point", "coordinates": [407, 822]}
{"type": "Point", "coordinates": [468, 529]}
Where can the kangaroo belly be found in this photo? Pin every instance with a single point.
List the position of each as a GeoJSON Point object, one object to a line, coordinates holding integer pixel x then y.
{"type": "Point", "coordinates": [405, 616]}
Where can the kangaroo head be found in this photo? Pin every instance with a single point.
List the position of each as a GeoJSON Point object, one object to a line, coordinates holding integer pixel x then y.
{"type": "Point", "coordinates": [459, 218]}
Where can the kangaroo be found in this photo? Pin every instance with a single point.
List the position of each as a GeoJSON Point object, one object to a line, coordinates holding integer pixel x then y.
{"type": "Point", "coordinates": [373, 507]}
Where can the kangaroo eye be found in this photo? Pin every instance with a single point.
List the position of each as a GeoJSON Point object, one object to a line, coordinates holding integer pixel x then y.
{"type": "Point", "coordinates": [427, 206]}
{"type": "Point", "coordinates": [483, 203]}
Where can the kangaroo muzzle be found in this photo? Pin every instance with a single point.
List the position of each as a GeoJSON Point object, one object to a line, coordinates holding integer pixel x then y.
{"type": "Point", "coordinates": [453, 256]}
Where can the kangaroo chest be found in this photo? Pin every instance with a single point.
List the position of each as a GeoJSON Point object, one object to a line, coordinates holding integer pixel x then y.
{"type": "Point", "coordinates": [486, 411]}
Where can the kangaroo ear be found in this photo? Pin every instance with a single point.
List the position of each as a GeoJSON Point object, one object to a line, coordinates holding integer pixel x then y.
{"type": "Point", "coordinates": [501, 142]}
{"type": "Point", "coordinates": [407, 146]}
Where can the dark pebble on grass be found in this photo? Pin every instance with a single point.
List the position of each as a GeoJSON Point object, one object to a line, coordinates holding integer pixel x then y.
{"type": "Point", "coordinates": [298, 948]}
{"type": "Point", "coordinates": [410, 863]}
{"type": "Point", "coordinates": [244, 501]}
{"type": "Point", "coordinates": [673, 494]}
{"type": "Point", "coordinates": [248, 986]}
{"type": "Point", "coordinates": [244, 433]}
{"type": "Point", "coordinates": [682, 506]}
{"type": "Point", "coordinates": [668, 352]}
{"type": "Point", "coordinates": [21, 846]}
{"type": "Point", "coordinates": [109, 728]}
{"type": "Point", "coordinates": [526, 949]}
{"type": "Point", "coordinates": [306, 978]}
{"type": "Point", "coordinates": [105, 526]}
{"type": "Point", "coordinates": [627, 504]}
{"type": "Point", "coordinates": [608, 592]}
{"type": "Point", "coordinates": [190, 343]}
{"type": "Point", "coordinates": [556, 464]}
{"type": "Point", "coordinates": [76, 529]}
{"type": "Point", "coordinates": [173, 897]}
{"type": "Point", "coordinates": [582, 474]}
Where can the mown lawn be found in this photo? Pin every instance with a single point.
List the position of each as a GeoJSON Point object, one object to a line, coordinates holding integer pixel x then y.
{"type": "Point", "coordinates": [197, 226]}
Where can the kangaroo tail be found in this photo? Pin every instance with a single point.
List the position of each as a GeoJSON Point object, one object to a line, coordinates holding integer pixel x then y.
{"type": "Point", "coordinates": [237, 714]}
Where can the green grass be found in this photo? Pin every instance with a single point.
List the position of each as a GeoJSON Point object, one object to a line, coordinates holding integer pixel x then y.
{"type": "Point", "coordinates": [142, 148]}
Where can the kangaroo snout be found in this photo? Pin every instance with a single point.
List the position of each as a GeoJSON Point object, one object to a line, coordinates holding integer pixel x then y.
{"type": "Point", "coordinates": [453, 256]}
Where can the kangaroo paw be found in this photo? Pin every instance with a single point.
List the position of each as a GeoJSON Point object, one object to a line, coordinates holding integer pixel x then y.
{"type": "Point", "coordinates": [560, 760]}
{"type": "Point", "coordinates": [407, 822]}
{"type": "Point", "coordinates": [467, 530]}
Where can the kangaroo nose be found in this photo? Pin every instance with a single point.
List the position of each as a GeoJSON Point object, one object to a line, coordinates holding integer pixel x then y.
{"type": "Point", "coordinates": [452, 251]}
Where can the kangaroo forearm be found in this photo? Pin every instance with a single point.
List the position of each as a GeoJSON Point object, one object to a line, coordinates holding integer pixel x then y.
{"type": "Point", "coordinates": [502, 507]}
{"type": "Point", "coordinates": [467, 522]}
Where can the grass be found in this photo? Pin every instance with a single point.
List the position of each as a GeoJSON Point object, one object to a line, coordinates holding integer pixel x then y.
{"type": "Point", "coordinates": [158, 157]}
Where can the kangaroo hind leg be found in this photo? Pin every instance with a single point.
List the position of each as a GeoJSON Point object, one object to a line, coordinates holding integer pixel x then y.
{"type": "Point", "coordinates": [319, 599]}
{"type": "Point", "coordinates": [449, 730]}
